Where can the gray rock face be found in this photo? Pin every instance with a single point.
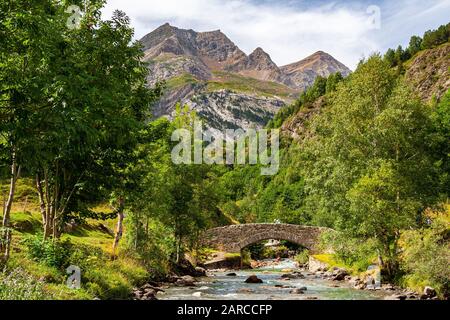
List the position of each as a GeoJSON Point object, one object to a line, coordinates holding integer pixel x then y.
{"type": "Point", "coordinates": [429, 72]}
{"type": "Point", "coordinates": [190, 61]}
{"type": "Point", "coordinates": [225, 109]}
{"type": "Point", "coordinates": [175, 66]}
{"type": "Point", "coordinates": [260, 66]}
{"type": "Point", "coordinates": [222, 109]}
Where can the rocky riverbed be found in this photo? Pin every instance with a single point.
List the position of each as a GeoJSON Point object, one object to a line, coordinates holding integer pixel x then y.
{"type": "Point", "coordinates": [275, 280]}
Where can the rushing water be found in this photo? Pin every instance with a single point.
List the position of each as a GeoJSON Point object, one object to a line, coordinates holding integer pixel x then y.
{"type": "Point", "coordinates": [221, 287]}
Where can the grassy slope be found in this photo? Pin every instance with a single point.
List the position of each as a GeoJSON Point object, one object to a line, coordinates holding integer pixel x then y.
{"type": "Point", "coordinates": [181, 81]}
{"type": "Point", "coordinates": [103, 278]}
{"type": "Point", "coordinates": [235, 83]}
{"type": "Point", "coordinates": [331, 261]}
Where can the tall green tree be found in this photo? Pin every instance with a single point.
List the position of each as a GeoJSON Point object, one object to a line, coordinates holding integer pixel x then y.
{"type": "Point", "coordinates": [389, 57]}
{"type": "Point", "coordinates": [366, 166]}
{"type": "Point", "coordinates": [183, 197]}
{"type": "Point", "coordinates": [415, 45]}
{"type": "Point", "coordinates": [98, 99]}
{"type": "Point", "coordinates": [71, 101]}
{"type": "Point", "coordinates": [434, 38]}
{"type": "Point", "coordinates": [28, 34]}
{"type": "Point", "coordinates": [440, 147]}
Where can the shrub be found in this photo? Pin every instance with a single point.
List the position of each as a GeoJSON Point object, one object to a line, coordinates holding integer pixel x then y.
{"type": "Point", "coordinates": [256, 251]}
{"type": "Point", "coordinates": [85, 256]}
{"type": "Point", "coordinates": [53, 253]}
{"type": "Point", "coordinates": [426, 257]}
{"type": "Point", "coordinates": [358, 253]}
{"type": "Point", "coordinates": [302, 258]}
{"type": "Point", "coordinates": [106, 284]}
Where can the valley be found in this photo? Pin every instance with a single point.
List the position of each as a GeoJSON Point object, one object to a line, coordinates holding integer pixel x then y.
{"type": "Point", "coordinates": [101, 200]}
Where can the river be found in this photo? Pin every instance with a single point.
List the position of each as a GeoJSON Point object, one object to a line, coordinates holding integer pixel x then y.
{"type": "Point", "coordinates": [219, 286]}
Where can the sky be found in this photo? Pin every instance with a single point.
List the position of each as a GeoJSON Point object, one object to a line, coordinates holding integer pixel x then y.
{"type": "Point", "coordinates": [290, 30]}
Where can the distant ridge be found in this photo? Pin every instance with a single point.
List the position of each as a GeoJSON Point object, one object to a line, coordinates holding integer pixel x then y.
{"type": "Point", "coordinates": [214, 51]}
{"type": "Point", "coordinates": [225, 86]}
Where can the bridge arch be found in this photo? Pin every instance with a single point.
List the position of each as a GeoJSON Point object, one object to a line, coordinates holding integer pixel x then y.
{"type": "Point", "coordinates": [234, 238]}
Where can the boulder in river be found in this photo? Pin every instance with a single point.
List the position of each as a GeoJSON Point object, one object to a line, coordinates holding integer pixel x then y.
{"type": "Point", "coordinates": [253, 279]}
{"type": "Point", "coordinates": [186, 281]}
{"type": "Point", "coordinates": [288, 276]}
{"type": "Point", "coordinates": [200, 272]}
{"type": "Point", "coordinates": [396, 297]}
{"type": "Point", "coordinates": [232, 274]}
{"type": "Point", "coordinates": [339, 274]}
{"type": "Point", "coordinates": [303, 288]}
{"type": "Point", "coordinates": [147, 294]}
{"type": "Point", "coordinates": [297, 291]}
{"type": "Point", "coordinates": [430, 292]}
{"type": "Point", "coordinates": [283, 286]}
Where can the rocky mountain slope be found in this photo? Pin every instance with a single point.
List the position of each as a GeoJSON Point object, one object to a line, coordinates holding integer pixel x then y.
{"type": "Point", "coordinates": [228, 88]}
{"type": "Point", "coordinates": [428, 73]}
{"type": "Point", "coordinates": [301, 75]}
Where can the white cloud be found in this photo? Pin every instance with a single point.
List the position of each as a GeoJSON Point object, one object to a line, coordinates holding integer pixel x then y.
{"type": "Point", "coordinates": [285, 30]}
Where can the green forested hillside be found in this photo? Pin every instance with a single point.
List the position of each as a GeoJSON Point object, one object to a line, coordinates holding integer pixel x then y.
{"type": "Point", "coordinates": [371, 162]}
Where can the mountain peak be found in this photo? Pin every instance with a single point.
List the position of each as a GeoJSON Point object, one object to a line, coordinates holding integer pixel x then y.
{"type": "Point", "coordinates": [319, 63]}
{"type": "Point", "coordinates": [321, 54]}
{"type": "Point", "coordinates": [259, 50]}
{"type": "Point", "coordinates": [261, 60]}
{"type": "Point", "coordinates": [165, 27]}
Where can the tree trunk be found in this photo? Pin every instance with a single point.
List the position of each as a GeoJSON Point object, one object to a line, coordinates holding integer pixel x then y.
{"type": "Point", "coordinates": [43, 207]}
{"type": "Point", "coordinates": [178, 251]}
{"type": "Point", "coordinates": [5, 244]}
{"type": "Point", "coordinates": [119, 227]}
{"type": "Point", "coordinates": [48, 226]}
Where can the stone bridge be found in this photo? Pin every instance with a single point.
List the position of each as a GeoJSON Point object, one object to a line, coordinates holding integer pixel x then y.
{"type": "Point", "coordinates": [234, 238]}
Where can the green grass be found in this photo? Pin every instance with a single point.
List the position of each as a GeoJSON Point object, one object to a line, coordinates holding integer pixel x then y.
{"type": "Point", "coordinates": [101, 277]}
{"type": "Point", "coordinates": [91, 235]}
{"type": "Point", "coordinates": [238, 83]}
{"type": "Point", "coordinates": [181, 81]}
{"type": "Point", "coordinates": [25, 197]}
{"type": "Point", "coordinates": [332, 261]}
{"type": "Point", "coordinates": [232, 255]}
{"type": "Point", "coordinates": [26, 222]}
